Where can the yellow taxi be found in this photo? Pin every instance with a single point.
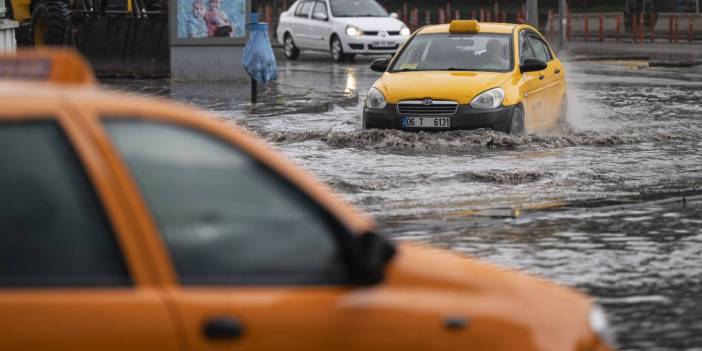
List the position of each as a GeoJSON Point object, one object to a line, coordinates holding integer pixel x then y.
{"type": "Point", "coordinates": [467, 75]}
{"type": "Point", "coordinates": [131, 223]}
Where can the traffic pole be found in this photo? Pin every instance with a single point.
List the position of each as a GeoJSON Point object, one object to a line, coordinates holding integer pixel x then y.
{"type": "Point", "coordinates": [653, 27]}
{"type": "Point", "coordinates": [601, 27]}
{"type": "Point", "coordinates": [587, 27]}
{"type": "Point", "coordinates": [254, 83]}
{"type": "Point", "coordinates": [690, 28]}
{"type": "Point", "coordinates": [642, 27]}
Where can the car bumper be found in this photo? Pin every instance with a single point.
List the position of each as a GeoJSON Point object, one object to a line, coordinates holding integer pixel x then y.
{"type": "Point", "coordinates": [465, 117]}
{"type": "Point", "coordinates": [370, 45]}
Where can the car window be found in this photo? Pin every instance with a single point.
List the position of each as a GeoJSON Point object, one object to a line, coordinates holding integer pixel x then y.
{"type": "Point", "coordinates": [540, 49]}
{"type": "Point", "coordinates": [304, 9]}
{"type": "Point", "coordinates": [320, 11]}
{"type": "Point", "coordinates": [525, 51]}
{"type": "Point", "coordinates": [357, 8]}
{"type": "Point", "coordinates": [53, 232]}
{"type": "Point", "coordinates": [458, 52]}
{"type": "Point", "coordinates": [226, 218]}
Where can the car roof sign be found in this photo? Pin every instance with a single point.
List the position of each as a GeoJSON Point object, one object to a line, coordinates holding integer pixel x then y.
{"type": "Point", "coordinates": [46, 65]}
{"type": "Point", "coordinates": [464, 26]}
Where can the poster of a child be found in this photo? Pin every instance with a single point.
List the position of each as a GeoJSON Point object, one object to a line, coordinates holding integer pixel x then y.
{"type": "Point", "coordinates": [211, 18]}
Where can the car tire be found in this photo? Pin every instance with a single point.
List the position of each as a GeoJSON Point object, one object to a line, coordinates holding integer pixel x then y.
{"type": "Point", "coordinates": [337, 50]}
{"type": "Point", "coordinates": [515, 124]}
{"type": "Point", "coordinates": [289, 48]}
{"type": "Point", "coordinates": [50, 23]}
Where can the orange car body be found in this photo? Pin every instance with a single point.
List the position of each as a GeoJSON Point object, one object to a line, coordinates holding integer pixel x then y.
{"type": "Point", "coordinates": [428, 299]}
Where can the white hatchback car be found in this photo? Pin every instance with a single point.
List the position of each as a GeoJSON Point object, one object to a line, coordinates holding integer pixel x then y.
{"type": "Point", "coordinates": [344, 27]}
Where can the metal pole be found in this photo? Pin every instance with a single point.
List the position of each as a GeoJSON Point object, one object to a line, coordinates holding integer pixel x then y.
{"type": "Point", "coordinates": [254, 84]}
{"type": "Point", "coordinates": [532, 15]}
{"type": "Point", "coordinates": [562, 20]}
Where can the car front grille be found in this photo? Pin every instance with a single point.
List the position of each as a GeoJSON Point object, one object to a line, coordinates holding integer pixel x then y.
{"type": "Point", "coordinates": [371, 33]}
{"type": "Point", "coordinates": [394, 33]}
{"type": "Point", "coordinates": [420, 107]}
{"type": "Point", "coordinates": [373, 47]}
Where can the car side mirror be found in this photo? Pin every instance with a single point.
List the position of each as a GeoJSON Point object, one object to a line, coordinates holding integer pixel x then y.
{"type": "Point", "coordinates": [394, 15]}
{"type": "Point", "coordinates": [372, 254]}
{"type": "Point", "coordinates": [532, 65]}
{"type": "Point", "coordinates": [320, 16]}
{"type": "Point", "coordinates": [380, 65]}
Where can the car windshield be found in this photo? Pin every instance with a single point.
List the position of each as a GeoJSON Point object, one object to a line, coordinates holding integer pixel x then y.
{"type": "Point", "coordinates": [357, 8]}
{"type": "Point", "coordinates": [457, 52]}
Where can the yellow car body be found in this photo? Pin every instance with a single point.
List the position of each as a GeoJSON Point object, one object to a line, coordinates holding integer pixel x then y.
{"type": "Point", "coordinates": [539, 93]}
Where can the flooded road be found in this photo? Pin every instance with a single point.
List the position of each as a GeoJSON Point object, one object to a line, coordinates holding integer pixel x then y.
{"type": "Point", "coordinates": [611, 206]}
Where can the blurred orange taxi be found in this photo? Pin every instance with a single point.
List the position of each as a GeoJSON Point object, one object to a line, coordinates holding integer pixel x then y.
{"type": "Point", "coordinates": [139, 224]}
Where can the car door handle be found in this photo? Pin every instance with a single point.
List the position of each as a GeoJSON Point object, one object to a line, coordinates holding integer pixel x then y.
{"type": "Point", "coordinates": [558, 70]}
{"type": "Point", "coordinates": [541, 77]}
{"type": "Point", "coordinates": [222, 328]}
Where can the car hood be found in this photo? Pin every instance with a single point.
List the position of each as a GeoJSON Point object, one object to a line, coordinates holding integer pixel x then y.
{"type": "Point", "coordinates": [461, 87]}
{"type": "Point", "coordinates": [372, 23]}
{"type": "Point", "coordinates": [489, 295]}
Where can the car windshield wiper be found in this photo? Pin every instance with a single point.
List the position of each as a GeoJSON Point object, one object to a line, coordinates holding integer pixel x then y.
{"type": "Point", "coordinates": [405, 70]}
{"type": "Point", "coordinates": [457, 69]}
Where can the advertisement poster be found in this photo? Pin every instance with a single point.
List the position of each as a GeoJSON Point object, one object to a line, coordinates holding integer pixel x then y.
{"type": "Point", "coordinates": [201, 19]}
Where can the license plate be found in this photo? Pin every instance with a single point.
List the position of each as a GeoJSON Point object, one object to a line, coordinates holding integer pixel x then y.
{"type": "Point", "coordinates": [383, 43]}
{"type": "Point", "coordinates": [426, 122]}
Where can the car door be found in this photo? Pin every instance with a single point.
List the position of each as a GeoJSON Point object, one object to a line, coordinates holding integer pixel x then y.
{"type": "Point", "coordinates": [301, 28]}
{"type": "Point", "coordinates": [533, 91]}
{"type": "Point", "coordinates": [259, 264]}
{"type": "Point", "coordinates": [320, 28]}
{"type": "Point", "coordinates": [71, 277]}
{"type": "Point", "coordinates": [553, 82]}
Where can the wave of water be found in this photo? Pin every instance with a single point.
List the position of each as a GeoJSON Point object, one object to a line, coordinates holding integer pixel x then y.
{"type": "Point", "coordinates": [400, 141]}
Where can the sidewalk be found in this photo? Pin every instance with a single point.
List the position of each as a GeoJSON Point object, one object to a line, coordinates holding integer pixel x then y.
{"type": "Point", "coordinates": [682, 54]}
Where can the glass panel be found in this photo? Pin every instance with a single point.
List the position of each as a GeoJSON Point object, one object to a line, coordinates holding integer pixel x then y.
{"type": "Point", "coordinates": [540, 49]}
{"type": "Point", "coordinates": [525, 51]}
{"type": "Point", "coordinates": [53, 231]}
{"type": "Point", "coordinates": [226, 218]}
{"type": "Point", "coordinates": [357, 8]}
{"type": "Point", "coordinates": [469, 52]}
{"type": "Point", "coordinates": [305, 9]}
{"type": "Point", "coordinates": [320, 11]}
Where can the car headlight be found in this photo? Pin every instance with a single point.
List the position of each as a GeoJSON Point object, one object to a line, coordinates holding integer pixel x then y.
{"type": "Point", "coordinates": [405, 31]}
{"type": "Point", "coordinates": [353, 31]}
{"type": "Point", "coordinates": [375, 99]}
{"type": "Point", "coordinates": [489, 99]}
{"type": "Point", "coordinates": [600, 325]}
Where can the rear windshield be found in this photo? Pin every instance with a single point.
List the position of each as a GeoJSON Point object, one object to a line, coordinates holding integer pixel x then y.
{"type": "Point", "coordinates": [357, 8]}
{"type": "Point", "coordinates": [457, 52]}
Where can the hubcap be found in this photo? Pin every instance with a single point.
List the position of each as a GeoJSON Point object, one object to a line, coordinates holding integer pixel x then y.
{"type": "Point", "coordinates": [288, 46]}
{"type": "Point", "coordinates": [336, 49]}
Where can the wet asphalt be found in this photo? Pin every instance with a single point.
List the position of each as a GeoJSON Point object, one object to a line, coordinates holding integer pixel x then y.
{"type": "Point", "coordinates": [611, 205]}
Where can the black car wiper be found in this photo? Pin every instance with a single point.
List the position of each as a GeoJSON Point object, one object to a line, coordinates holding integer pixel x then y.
{"type": "Point", "coordinates": [405, 70]}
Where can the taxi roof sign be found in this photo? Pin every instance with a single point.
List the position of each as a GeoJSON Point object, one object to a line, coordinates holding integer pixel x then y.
{"type": "Point", "coordinates": [464, 26]}
{"type": "Point", "coordinates": [59, 66]}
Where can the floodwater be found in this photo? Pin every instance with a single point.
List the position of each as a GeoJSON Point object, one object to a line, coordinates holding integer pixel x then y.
{"type": "Point", "coordinates": [611, 206]}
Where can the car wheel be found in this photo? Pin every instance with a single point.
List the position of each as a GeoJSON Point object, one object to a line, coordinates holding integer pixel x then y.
{"type": "Point", "coordinates": [50, 23]}
{"type": "Point", "coordinates": [337, 50]}
{"type": "Point", "coordinates": [291, 51]}
{"type": "Point", "coordinates": [515, 125]}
